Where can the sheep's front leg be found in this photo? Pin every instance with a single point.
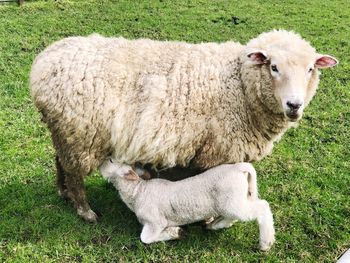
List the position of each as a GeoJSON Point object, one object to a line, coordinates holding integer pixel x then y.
{"type": "Point", "coordinates": [76, 192]}
{"type": "Point", "coordinates": [151, 233]}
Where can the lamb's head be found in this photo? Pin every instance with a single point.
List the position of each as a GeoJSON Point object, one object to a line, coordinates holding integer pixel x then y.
{"type": "Point", "coordinates": [283, 70]}
{"type": "Point", "coordinates": [111, 171]}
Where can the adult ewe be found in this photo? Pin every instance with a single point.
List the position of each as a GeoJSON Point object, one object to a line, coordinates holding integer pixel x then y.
{"type": "Point", "coordinates": [169, 103]}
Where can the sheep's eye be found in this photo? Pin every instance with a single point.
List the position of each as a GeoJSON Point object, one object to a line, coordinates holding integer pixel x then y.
{"type": "Point", "coordinates": [310, 69]}
{"type": "Point", "coordinates": [274, 68]}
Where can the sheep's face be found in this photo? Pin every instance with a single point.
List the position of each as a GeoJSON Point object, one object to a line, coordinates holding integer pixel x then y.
{"type": "Point", "coordinates": [293, 78]}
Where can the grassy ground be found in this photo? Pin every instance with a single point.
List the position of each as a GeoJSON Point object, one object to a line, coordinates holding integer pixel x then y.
{"type": "Point", "coordinates": [306, 179]}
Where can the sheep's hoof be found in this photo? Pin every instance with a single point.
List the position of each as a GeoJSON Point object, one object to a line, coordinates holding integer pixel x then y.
{"type": "Point", "coordinates": [89, 215]}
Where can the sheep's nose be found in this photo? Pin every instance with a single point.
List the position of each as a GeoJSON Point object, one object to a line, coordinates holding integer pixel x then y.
{"type": "Point", "coordinates": [294, 106]}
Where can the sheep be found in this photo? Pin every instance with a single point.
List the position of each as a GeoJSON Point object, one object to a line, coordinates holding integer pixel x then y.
{"type": "Point", "coordinates": [227, 192]}
{"type": "Point", "coordinates": [168, 103]}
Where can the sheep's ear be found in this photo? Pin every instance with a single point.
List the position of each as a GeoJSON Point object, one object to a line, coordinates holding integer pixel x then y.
{"type": "Point", "coordinates": [258, 57]}
{"type": "Point", "coordinates": [131, 176]}
{"type": "Point", "coordinates": [325, 61]}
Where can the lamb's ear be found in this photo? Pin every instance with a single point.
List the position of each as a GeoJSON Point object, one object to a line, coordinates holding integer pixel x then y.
{"type": "Point", "coordinates": [325, 61]}
{"type": "Point", "coordinates": [258, 57]}
{"type": "Point", "coordinates": [146, 176]}
{"type": "Point", "coordinates": [131, 176]}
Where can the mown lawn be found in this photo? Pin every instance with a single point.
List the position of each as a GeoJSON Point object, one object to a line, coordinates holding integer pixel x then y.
{"type": "Point", "coordinates": [306, 179]}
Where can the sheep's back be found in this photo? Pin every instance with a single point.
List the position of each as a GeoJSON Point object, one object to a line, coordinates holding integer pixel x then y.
{"type": "Point", "coordinates": [143, 100]}
{"type": "Point", "coordinates": [69, 89]}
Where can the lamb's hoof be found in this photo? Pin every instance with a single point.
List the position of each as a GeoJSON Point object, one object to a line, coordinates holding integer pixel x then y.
{"type": "Point", "coordinates": [176, 232]}
{"type": "Point", "coordinates": [266, 245]}
{"type": "Point", "coordinates": [181, 233]}
{"type": "Point", "coordinates": [267, 239]}
{"type": "Point", "coordinates": [89, 215]}
{"type": "Point", "coordinates": [208, 221]}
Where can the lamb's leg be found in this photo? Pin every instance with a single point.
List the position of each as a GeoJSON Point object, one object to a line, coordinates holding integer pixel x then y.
{"type": "Point", "coordinates": [220, 222]}
{"type": "Point", "coordinates": [254, 210]}
{"type": "Point", "coordinates": [76, 192]}
{"type": "Point", "coordinates": [171, 233]}
{"type": "Point", "coordinates": [62, 189]}
{"type": "Point", "coordinates": [265, 220]}
{"type": "Point", "coordinates": [151, 233]}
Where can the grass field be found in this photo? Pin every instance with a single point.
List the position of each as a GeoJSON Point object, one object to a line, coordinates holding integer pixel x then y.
{"type": "Point", "coordinates": [306, 179]}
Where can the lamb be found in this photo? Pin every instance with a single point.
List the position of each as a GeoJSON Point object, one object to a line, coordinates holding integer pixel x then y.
{"type": "Point", "coordinates": [166, 103]}
{"type": "Point", "coordinates": [227, 192]}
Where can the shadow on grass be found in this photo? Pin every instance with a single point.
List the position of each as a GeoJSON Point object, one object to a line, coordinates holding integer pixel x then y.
{"type": "Point", "coordinates": [31, 210]}
{"type": "Point", "coordinates": [32, 213]}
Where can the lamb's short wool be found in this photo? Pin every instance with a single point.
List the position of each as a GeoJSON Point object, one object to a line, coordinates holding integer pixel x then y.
{"type": "Point", "coordinates": [227, 192]}
{"type": "Point", "coordinates": [169, 103]}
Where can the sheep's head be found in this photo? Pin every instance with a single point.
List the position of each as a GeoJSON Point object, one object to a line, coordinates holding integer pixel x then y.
{"type": "Point", "coordinates": [288, 68]}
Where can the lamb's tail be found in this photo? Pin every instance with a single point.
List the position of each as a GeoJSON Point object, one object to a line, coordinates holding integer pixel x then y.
{"type": "Point", "coordinates": [249, 169]}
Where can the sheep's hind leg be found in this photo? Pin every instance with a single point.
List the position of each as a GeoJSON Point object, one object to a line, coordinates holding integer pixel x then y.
{"type": "Point", "coordinates": [151, 233]}
{"type": "Point", "coordinates": [76, 192]}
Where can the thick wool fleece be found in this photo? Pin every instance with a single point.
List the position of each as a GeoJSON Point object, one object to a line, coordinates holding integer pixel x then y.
{"type": "Point", "coordinates": [164, 103]}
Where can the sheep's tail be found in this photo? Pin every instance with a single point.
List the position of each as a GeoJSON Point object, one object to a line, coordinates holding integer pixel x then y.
{"type": "Point", "coordinates": [249, 169]}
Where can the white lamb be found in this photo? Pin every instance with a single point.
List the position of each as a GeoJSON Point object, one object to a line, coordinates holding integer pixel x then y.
{"type": "Point", "coordinates": [227, 192]}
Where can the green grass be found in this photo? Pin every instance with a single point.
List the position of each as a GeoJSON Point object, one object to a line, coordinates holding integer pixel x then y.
{"type": "Point", "coordinates": [306, 179]}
